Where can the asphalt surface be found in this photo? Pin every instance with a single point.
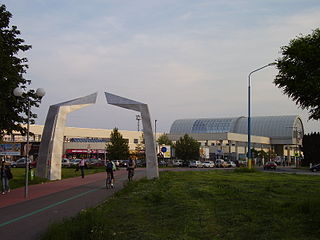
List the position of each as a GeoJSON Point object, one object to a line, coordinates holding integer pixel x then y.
{"type": "Point", "coordinates": [28, 219]}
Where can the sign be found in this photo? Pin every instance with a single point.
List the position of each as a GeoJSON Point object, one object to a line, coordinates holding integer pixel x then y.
{"type": "Point", "coordinates": [204, 152]}
{"type": "Point", "coordinates": [166, 151]}
{"type": "Point", "coordinates": [10, 149]}
{"type": "Point", "coordinates": [163, 149]}
{"type": "Point", "coordinates": [85, 151]}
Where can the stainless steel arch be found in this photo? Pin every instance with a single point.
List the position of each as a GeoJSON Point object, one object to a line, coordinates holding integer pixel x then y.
{"type": "Point", "coordinates": [152, 162]}
{"type": "Point", "coordinates": [51, 146]}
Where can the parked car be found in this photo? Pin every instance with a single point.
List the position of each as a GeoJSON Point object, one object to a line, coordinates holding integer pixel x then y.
{"type": "Point", "coordinates": [123, 163]}
{"type": "Point", "coordinates": [208, 164]}
{"type": "Point", "coordinates": [141, 163]}
{"type": "Point", "coordinates": [66, 162]}
{"type": "Point", "coordinates": [21, 163]}
{"type": "Point", "coordinates": [75, 162]}
{"type": "Point", "coordinates": [177, 163]}
{"type": "Point", "coordinates": [196, 164]}
{"type": "Point", "coordinates": [163, 163]}
{"type": "Point", "coordinates": [231, 164]}
{"type": "Point", "coordinates": [220, 163]}
{"type": "Point", "coordinates": [270, 165]}
{"type": "Point", "coordinates": [97, 162]}
{"type": "Point", "coordinates": [315, 168]}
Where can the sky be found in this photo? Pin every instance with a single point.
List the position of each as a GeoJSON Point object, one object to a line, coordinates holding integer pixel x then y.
{"type": "Point", "coordinates": [184, 58]}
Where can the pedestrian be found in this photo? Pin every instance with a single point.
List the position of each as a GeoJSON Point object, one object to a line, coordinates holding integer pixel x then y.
{"type": "Point", "coordinates": [130, 169]}
{"type": "Point", "coordinates": [6, 175]}
{"type": "Point", "coordinates": [82, 165]}
{"type": "Point", "coordinates": [110, 168]}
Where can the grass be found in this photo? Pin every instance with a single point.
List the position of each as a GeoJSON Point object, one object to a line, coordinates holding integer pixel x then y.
{"type": "Point", "coordinates": [203, 205]}
{"type": "Point", "coordinates": [19, 176]}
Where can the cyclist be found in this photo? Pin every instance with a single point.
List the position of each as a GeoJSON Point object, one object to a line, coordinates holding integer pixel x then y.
{"type": "Point", "coordinates": [130, 168]}
{"type": "Point", "coordinates": [110, 167]}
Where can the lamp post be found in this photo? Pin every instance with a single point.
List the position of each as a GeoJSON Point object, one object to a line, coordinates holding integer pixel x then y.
{"type": "Point", "coordinates": [138, 118]}
{"type": "Point", "coordinates": [18, 92]}
{"type": "Point", "coordinates": [249, 109]}
{"type": "Point", "coordinates": [155, 134]}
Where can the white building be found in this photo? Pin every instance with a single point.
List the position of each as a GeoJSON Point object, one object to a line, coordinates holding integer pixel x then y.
{"type": "Point", "coordinates": [229, 136]}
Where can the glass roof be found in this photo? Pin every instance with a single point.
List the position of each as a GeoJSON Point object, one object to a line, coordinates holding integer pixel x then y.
{"type": "Point", "coordinates": [269, 126]}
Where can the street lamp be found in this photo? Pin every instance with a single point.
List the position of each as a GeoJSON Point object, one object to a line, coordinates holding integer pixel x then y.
{"type": "Point", "coordinates": [249, 110]}
{"type": "Point", "coordinates": [155, 134]}
{"type": "Point", "coordinates": [138, 118]}
{"type": "Point", "coordinates": [18, 92]}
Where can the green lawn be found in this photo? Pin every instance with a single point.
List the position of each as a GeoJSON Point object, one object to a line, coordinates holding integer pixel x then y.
{"type": "Point", "coordinates": [19, 176]}
{"type": "Point", "coordinates": [204, 205]}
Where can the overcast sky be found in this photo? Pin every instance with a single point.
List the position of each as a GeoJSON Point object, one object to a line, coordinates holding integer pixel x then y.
{"type": "Point", "coordinates": [184, 58]}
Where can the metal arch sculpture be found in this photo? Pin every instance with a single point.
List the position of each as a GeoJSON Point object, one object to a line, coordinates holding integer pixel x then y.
{"type": "Point", "coordinates": [151, 158]}
{"type": "Point", "coordinates": [51, 146]}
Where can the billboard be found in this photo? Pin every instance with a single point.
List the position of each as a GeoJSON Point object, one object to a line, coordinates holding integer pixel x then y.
{"type": "Point", "coordinates": [204, 152]}
{"type": "Point", "coordinates": [10, 149]}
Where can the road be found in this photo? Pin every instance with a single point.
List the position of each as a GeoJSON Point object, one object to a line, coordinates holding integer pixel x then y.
{"type": "Point", "coordinates": [290, 170]}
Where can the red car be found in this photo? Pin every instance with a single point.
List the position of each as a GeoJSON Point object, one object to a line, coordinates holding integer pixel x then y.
{"type": "Point", "coordinates": [270, 165]}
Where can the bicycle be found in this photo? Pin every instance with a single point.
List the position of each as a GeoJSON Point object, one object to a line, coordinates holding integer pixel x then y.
{"type": "Point", "coordinates": [109, 181]}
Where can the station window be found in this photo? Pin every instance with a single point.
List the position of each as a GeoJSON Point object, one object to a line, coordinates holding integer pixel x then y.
{"type": "Point", "coordinates": [135, 140]}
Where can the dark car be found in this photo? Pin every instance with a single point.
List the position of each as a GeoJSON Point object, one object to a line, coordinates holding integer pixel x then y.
{"type": "Point", "coordinates": [315, 168]}
{"type": "Point", "coordinates": [270, 165]}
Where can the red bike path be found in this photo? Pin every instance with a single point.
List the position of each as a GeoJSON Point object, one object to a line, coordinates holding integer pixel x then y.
{"type": "Point", "coordinates": [22, 218]}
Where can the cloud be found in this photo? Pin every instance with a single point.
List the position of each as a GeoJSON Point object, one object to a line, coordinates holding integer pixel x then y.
{"type": "Point", "coordinates": [184, 58]}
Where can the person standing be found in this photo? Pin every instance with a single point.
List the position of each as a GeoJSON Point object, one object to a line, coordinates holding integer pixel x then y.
{"type": "Point", "coordinates": [6, 175]}
{"type": "Point", "coordinates": [82, 165]}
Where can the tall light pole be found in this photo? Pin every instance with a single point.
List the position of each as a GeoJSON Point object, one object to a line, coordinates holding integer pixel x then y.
{"type": "Point", "coordinates": [138, 118]}
{"type": "Point", "coordinates": [155, 134]}
{"type": "Point", "coordinates": [18, 92]}
{"type": "Point", "coordinates": [249, 110]}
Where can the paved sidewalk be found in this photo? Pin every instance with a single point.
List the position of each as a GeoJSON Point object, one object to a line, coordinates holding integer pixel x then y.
{"type": "Point", "coordinates": [26, 219]}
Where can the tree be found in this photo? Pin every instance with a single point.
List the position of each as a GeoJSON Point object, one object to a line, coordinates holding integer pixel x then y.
{"type": "Point", "coordinates": [311, 149]}
{"type": "Point", "coordinates": [13, 111]}
{"type": "Point", "coordinates": [187, 148]}
{"type": "Point", "coordinates": [164, 140]}
{"type": "Point", "coordinates": [118, 147]}
{"type": "Point", "coordinates": [299, 72]}
{"type": "Point", "coordinates": [140, 149]}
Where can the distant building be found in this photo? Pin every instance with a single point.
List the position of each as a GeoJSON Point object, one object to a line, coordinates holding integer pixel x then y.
{"type": "Point", "coordinates": [227, 137]}
{"type": "Point", "coordinates": [78, 142]}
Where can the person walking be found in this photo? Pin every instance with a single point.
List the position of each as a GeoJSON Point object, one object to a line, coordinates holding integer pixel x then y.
{"type": "Point", "coordinates": [110, 167]}
{"type": "Point", "coordinates": [82, 165]}
{"type": "Point", "coordinates": [6, 175]}
{"type": "Point", "coordinates": [130, 169]}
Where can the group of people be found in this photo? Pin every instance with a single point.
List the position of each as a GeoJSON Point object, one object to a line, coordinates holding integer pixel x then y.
{"type": "Point", "coordinates": [111, 167]}
{"type": "Point", "coordinates": [6, 175]}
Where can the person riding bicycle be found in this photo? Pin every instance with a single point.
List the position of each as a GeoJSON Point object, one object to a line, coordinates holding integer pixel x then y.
{"type": "Point", "coordinates": [130, 168]}
{"type": "Point", "coordinates": [110, 167]}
